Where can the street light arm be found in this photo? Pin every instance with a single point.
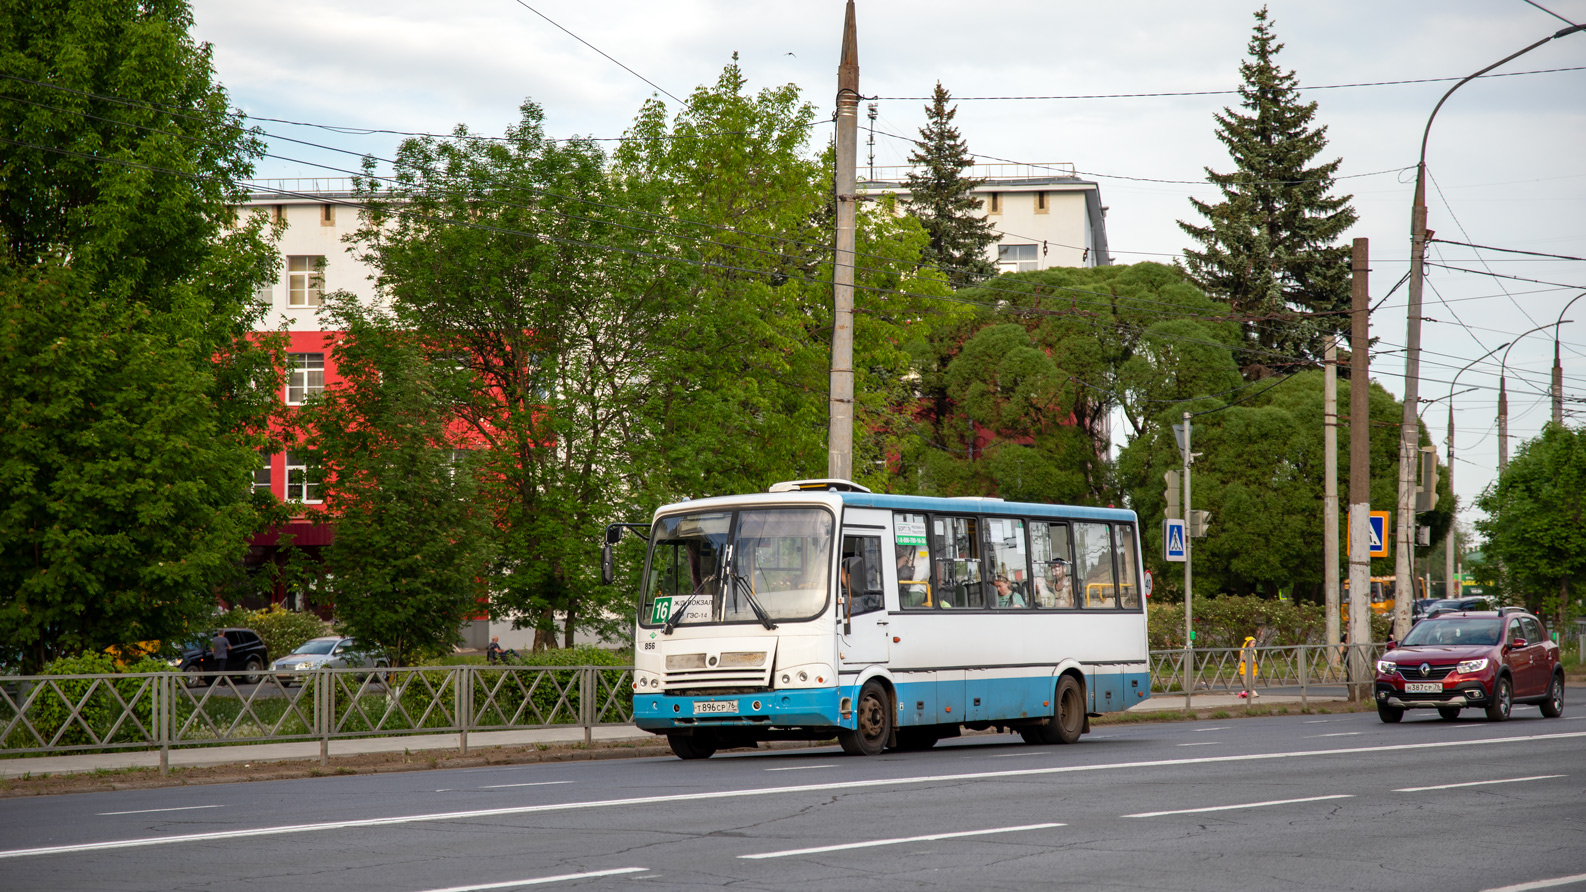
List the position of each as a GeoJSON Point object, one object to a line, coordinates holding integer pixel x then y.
{"type": "Point", "coordinates": [1509, 58]}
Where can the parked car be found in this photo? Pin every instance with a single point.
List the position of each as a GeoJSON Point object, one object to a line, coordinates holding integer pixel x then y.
{"type": "Point", "coordinates": [1488, 660]}
{"type": "Point", "coordinates": [331, 652]}
{"type": "Point", "coordinates": [1456, 605]}
{"type": "Point", "coordinates": [246, 654]}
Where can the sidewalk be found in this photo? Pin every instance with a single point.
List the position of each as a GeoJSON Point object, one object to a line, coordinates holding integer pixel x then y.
{"type": "Point", "coordinates": [1289, 696]}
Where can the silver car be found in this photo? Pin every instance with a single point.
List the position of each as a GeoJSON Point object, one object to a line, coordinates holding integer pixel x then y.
{"type": "Point", "coordinates": [331, 652]}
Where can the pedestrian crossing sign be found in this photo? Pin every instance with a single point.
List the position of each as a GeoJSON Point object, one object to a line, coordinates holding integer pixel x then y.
{"type": "Point", "coordinates": [1377, 528]}
{"type": "Point", "coordinates": [1173, 540]}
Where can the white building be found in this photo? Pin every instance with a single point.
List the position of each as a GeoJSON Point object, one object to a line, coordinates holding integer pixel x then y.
{"type": "Point", "coordinates": [1044, 214]}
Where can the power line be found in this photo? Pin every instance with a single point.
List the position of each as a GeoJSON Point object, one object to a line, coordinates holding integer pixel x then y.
{"type": "Point", "coordinates": [600, 51]}
{"type": "Point", "coordinates": [1444, 241]}
{"type": "Point", "coordinates": [1424, 80]}
{"type": "Point", "coordinates": [1479, 272]}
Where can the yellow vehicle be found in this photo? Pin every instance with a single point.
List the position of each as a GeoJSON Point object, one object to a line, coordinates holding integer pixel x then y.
{"type": "Point", "coordinates": [1383, 592]}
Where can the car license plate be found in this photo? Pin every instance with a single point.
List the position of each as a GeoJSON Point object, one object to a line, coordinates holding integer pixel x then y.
{"type": "Point", "coordinates": [1423, 687]}
{"type": "Point", "coordinates": [715, 707]}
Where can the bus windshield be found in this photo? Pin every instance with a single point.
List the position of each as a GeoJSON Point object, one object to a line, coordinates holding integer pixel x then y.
{"type": "Point", "coordinates": [780, 562]}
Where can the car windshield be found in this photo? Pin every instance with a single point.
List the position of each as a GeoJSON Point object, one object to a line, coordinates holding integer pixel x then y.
{"type": "Point", "coordinates": [1455, 631]}
{"type": "Point", "coordinates": [317, 646]}
{"type": "Point", "coordinates": [781, 561]}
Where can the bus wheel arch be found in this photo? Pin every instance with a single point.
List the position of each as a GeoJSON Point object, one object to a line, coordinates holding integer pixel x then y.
{"type": "Point", "coordinates": [1068, 720]}
{"type": "Point", "coordinates": [873, 725]}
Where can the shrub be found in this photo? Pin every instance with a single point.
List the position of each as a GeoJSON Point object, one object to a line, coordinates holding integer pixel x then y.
{"type": "Point", "coordinates": [1226, 620]}
{"type": "Point", "coordinates": [51, 712]}
{"type": "Point", "coordinates": [283, 630]}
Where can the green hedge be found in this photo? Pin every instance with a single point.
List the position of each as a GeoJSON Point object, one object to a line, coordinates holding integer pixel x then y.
{"type": "Point", "coordinates": [1226, 620]}
{"type": "Point", "coordinates": [51, 712]}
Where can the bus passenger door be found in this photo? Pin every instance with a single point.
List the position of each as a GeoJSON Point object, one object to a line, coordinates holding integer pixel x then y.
{"type": "Point", "coordinates": [862, 620]}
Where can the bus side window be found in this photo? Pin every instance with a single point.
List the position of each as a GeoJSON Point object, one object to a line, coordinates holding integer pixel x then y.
{"type": "Point", "coordinates": [1093, 557]}
{"type": "Point", "coordinates": [1123, 548]}
{"type": "Point", "coordinates": [1007, 563]}
{"type": "Point", "coordinates": [913, 559]}
{"type": "Point", "coordinates": [955, 549]}
{"type": "Point", "coordinates": [1054, 586]}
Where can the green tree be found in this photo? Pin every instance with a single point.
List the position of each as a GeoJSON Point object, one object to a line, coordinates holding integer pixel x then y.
{"type": "Point", "coordinates": [413, 544]}
{"type": "Point", "coordinates": [1535, 524]}
{"type": "Point", "coordinates": [119, 168]}
{"type": "Point", "coordinates": [1268, 247]}
{"type": "Point", "coordinates": [942, 197]}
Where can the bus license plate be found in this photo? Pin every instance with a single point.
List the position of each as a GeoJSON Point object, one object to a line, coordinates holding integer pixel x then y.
{"type": "Point", "coordinates": [715, 707]}
{"type": "Point", "coordinates": [1423, 687]}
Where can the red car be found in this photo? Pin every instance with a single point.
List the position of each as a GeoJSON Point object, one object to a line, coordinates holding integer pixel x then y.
{"type": "Point", "coordinates": [1472, 659]}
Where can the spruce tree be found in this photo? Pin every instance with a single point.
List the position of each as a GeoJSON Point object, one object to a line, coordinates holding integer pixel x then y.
{"type": "Point", "coordinates": [940, 196]}
{"type": "Point", "coordinates": [1268, 246]}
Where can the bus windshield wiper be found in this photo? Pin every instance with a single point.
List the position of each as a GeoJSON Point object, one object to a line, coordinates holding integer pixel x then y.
{"type": "Point", "coordinates": [672, 622]}
{"type": "Point", "coordinates": [765, 619]}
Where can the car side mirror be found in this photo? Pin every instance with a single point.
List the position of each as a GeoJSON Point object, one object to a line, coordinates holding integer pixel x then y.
{"type": "Point", "coordinates": [1392, 644]}
{"type": "Point", "coordinates": [1518, 642]}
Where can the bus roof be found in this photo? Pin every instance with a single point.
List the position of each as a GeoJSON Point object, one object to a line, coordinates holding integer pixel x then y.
{"type": "Point", "coordinates": [983, 506]}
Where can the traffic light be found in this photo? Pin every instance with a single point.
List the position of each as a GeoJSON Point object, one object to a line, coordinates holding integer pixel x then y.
{"type": "Point", "coordinates": [1426, 490]}
{"type": "Point", "coordinates": [1170, 496]}
{"type": "Point", "coordinates": [1198, 522]}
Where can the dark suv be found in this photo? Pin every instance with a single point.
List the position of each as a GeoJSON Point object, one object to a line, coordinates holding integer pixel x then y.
{"type": "Point", "coordinates": [1480, 659]}
{"type": "Point", "coordinates": [246, 654]}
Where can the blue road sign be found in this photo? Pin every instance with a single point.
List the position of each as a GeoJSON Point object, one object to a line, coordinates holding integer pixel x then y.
{"type": "Point", "coordinates": [1173, 540]}
{"type": "Point", "coordinates": [1379, 534]}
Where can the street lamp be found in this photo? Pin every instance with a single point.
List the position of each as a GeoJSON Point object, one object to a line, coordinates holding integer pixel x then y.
{"type": "Point", "coordinates": [1409, 431]}
{"type": "Point", "coordinates": [1558, 369]}
{"type": "Point", "coordinates": [1450, 588]}
{"type": "Point", "coordinates": [1503, 397]}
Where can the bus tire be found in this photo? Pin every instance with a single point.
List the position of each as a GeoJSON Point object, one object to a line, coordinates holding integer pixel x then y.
{"type": "Point", "coordinates": [695, 746]}
{"type": "Point", "coordinates": [1068, 716]}
{"type": "Point", "coordinates": [873, 721]}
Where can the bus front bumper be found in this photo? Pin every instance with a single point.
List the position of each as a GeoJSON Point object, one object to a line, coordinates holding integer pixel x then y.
{"type": "Point", "coordinates": [816, 708]}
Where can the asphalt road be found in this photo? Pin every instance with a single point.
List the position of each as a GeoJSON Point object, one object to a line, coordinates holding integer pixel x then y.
{"type": "Point", "coordinates": [1292, 802]}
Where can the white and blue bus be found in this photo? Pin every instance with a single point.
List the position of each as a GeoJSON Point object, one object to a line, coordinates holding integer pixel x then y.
{"type": "Point", "coordinates": [820, 609]}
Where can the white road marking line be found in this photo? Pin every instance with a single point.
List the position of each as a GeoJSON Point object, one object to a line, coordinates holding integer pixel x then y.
{"type": "Point", "coordinates": [1506, 780]}
{"type": "Point", "coordinates": [144, 811]}
{"type": "Point", "coordinates": [898, 841]}
{"type": "Point", "coordinates": [535, 784]}
{"type": "Point", "coordinates": [1194, 811]}
{"type": "Point", "coordinates": [1541, 884]}
{"type": "Point", "coordinates": [536, 881]}
{"type": "Point", "coordinates": [1217, 728]}
{"type": "Point", "coordinates": [504, 811]}
{"type": "Point", "coordinates": [1200, 743]}
{"type": "Point", "coordinates": [1316, 721]}
{"type": "Point", "coordinates": [800, 767]}
{"type": "Point", "coordinates": [1334, 734]}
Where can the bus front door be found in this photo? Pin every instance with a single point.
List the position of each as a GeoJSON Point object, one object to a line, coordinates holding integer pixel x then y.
{"type": "Point", "coordinates": [862, 620]}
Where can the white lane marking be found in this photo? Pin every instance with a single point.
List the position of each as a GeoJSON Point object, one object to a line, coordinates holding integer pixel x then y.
{"type": "Point", "coordinates": [766, 791]}
{"type": "Point", "coordinates": [1541, 884]}
{"type": "Point", "coordinates": [898, 841]}
{"type": "Point", "coordinates": [144, 811]}
{"type": "Point", "coordinates": [1194, 811]}
{"type": "Point", "coordinates": [1506, 780]}
{"type": "Point", "coordinates": [535, 784]}
{"type": "Point", "coordinates": [537, 881]}
{"type": "Point", "coordinates": [1200, 743]}
{"type": "Point", "coordinates": [1217, 728]}
{"type": "Point", "coordinates": [1334, 734]}
{"type": "Point", "coordinates": [1316, 721]}
{"type": "Point", "coordinates": [800, 767]}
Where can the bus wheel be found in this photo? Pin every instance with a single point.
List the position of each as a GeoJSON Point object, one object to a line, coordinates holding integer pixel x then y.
{"type": "Point", "coordinates": [1068, 719]}
{"type": "Point", "coordinates": [874, 720]}
{"type": "Point", "coordinates": [696, 746]}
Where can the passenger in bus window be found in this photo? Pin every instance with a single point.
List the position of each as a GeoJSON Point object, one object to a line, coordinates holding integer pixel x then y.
{"type": "Point", "coordinates": [1007, 595]}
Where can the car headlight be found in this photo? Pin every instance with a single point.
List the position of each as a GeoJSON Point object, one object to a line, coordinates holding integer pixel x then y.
{"type": "Point", "coordinates": [175, 661]}
{"type": "Point", "coordinates": [304, 666]}
{"type": "Point", "coordinates": [1468, 666]}
{"type": "Point", "coordinates": [1387, 667]}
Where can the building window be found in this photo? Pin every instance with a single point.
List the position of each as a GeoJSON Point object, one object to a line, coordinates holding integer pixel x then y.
{"type": "Point", "coordinates": [300, 486]}
{"type": "Point", "coordinates": [994, 202]}
{"type": "Point", "coordinates": [305, 282]}
{"type": "Point", "coordinates": [327, 215]}
{"type": "Point", "coordinates": [1040, 203]}
{"type": "Point", "coordinates": [1017, 258]}
{"type": "Point", "coordinates": [261, 476]}
{"type": "Point", "coordinates": [305, 377]}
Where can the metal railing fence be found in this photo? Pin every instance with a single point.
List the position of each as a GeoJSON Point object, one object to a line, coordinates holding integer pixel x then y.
{"type": "Point", "coordinates": [56, 714]}
{"type": "Point", "coordinates": [1253, 669]}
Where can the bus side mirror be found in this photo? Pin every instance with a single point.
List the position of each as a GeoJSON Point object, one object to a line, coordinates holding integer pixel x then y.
{"type": "Point", "coordinates": [607, 570]}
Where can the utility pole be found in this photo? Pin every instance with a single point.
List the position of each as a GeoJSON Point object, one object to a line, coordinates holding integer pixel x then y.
{"type": "Point", "coordinates": [1189, 605]}
{"type": "Point", "coordinates": [840, 438]}
{"type": "Point", "coordinates": [1330, 492]}
{"type": "Point", "coordinates": [1359, 467]}
{"type": "Point", "coordinates": [1558, 382]}
{"type": "Point", "coordinates": [1410, 424]}
{"type": "Point", "coordinates": [1450, 584]}
{"type": "Point", "coordinates": [870, 112]}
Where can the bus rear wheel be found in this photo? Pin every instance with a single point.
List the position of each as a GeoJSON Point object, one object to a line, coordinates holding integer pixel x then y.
{"type": "Point", "coordinates": [1068, 718]}
{"type": "Point", "coordinates": [695, 746]}
{"type": "Point", "coordinates": [873, 721]}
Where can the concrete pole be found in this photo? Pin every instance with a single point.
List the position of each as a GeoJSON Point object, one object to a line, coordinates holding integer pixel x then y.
{"type": "Point", "coordinates": [1330, 493]}
{"type": "Point", "coordinates": [1189, 604]}
{"type": "Point", "coordinates": [1558, 384]}
{"type": "Point", "coordinates": [1503, 424]}
{"type": "Point", "coordinates": [840, 438]}
{"type": "Point", "coordinates": [1450, 584]}
{"type": "Point", "coordinates": [1410, 422]}
{"type": "Point", "coordinates": [1359, 468]}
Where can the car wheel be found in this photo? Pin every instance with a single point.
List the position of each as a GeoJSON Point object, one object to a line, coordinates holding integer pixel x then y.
{"type": "Point", "coordinates": [1391, 715]}
{"type": "Point", "coordinates": [194, 680]}
{"type": "Point", "coordinates": [1502, 700]}
{"type": "Point", "coordinates": [252, 670]}
{"type": "Point", "coordinates": [873, 722]}
{"type": "Point", "coordinates": [1449, 713]}
{"type": "Point", "coordinates": [698, 746]}
{"type": "Point", "coordinates": [1553, 706]}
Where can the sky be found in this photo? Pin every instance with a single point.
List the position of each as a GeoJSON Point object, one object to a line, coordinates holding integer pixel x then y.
{"type": "Point", "coordinates": [1504, 154]}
